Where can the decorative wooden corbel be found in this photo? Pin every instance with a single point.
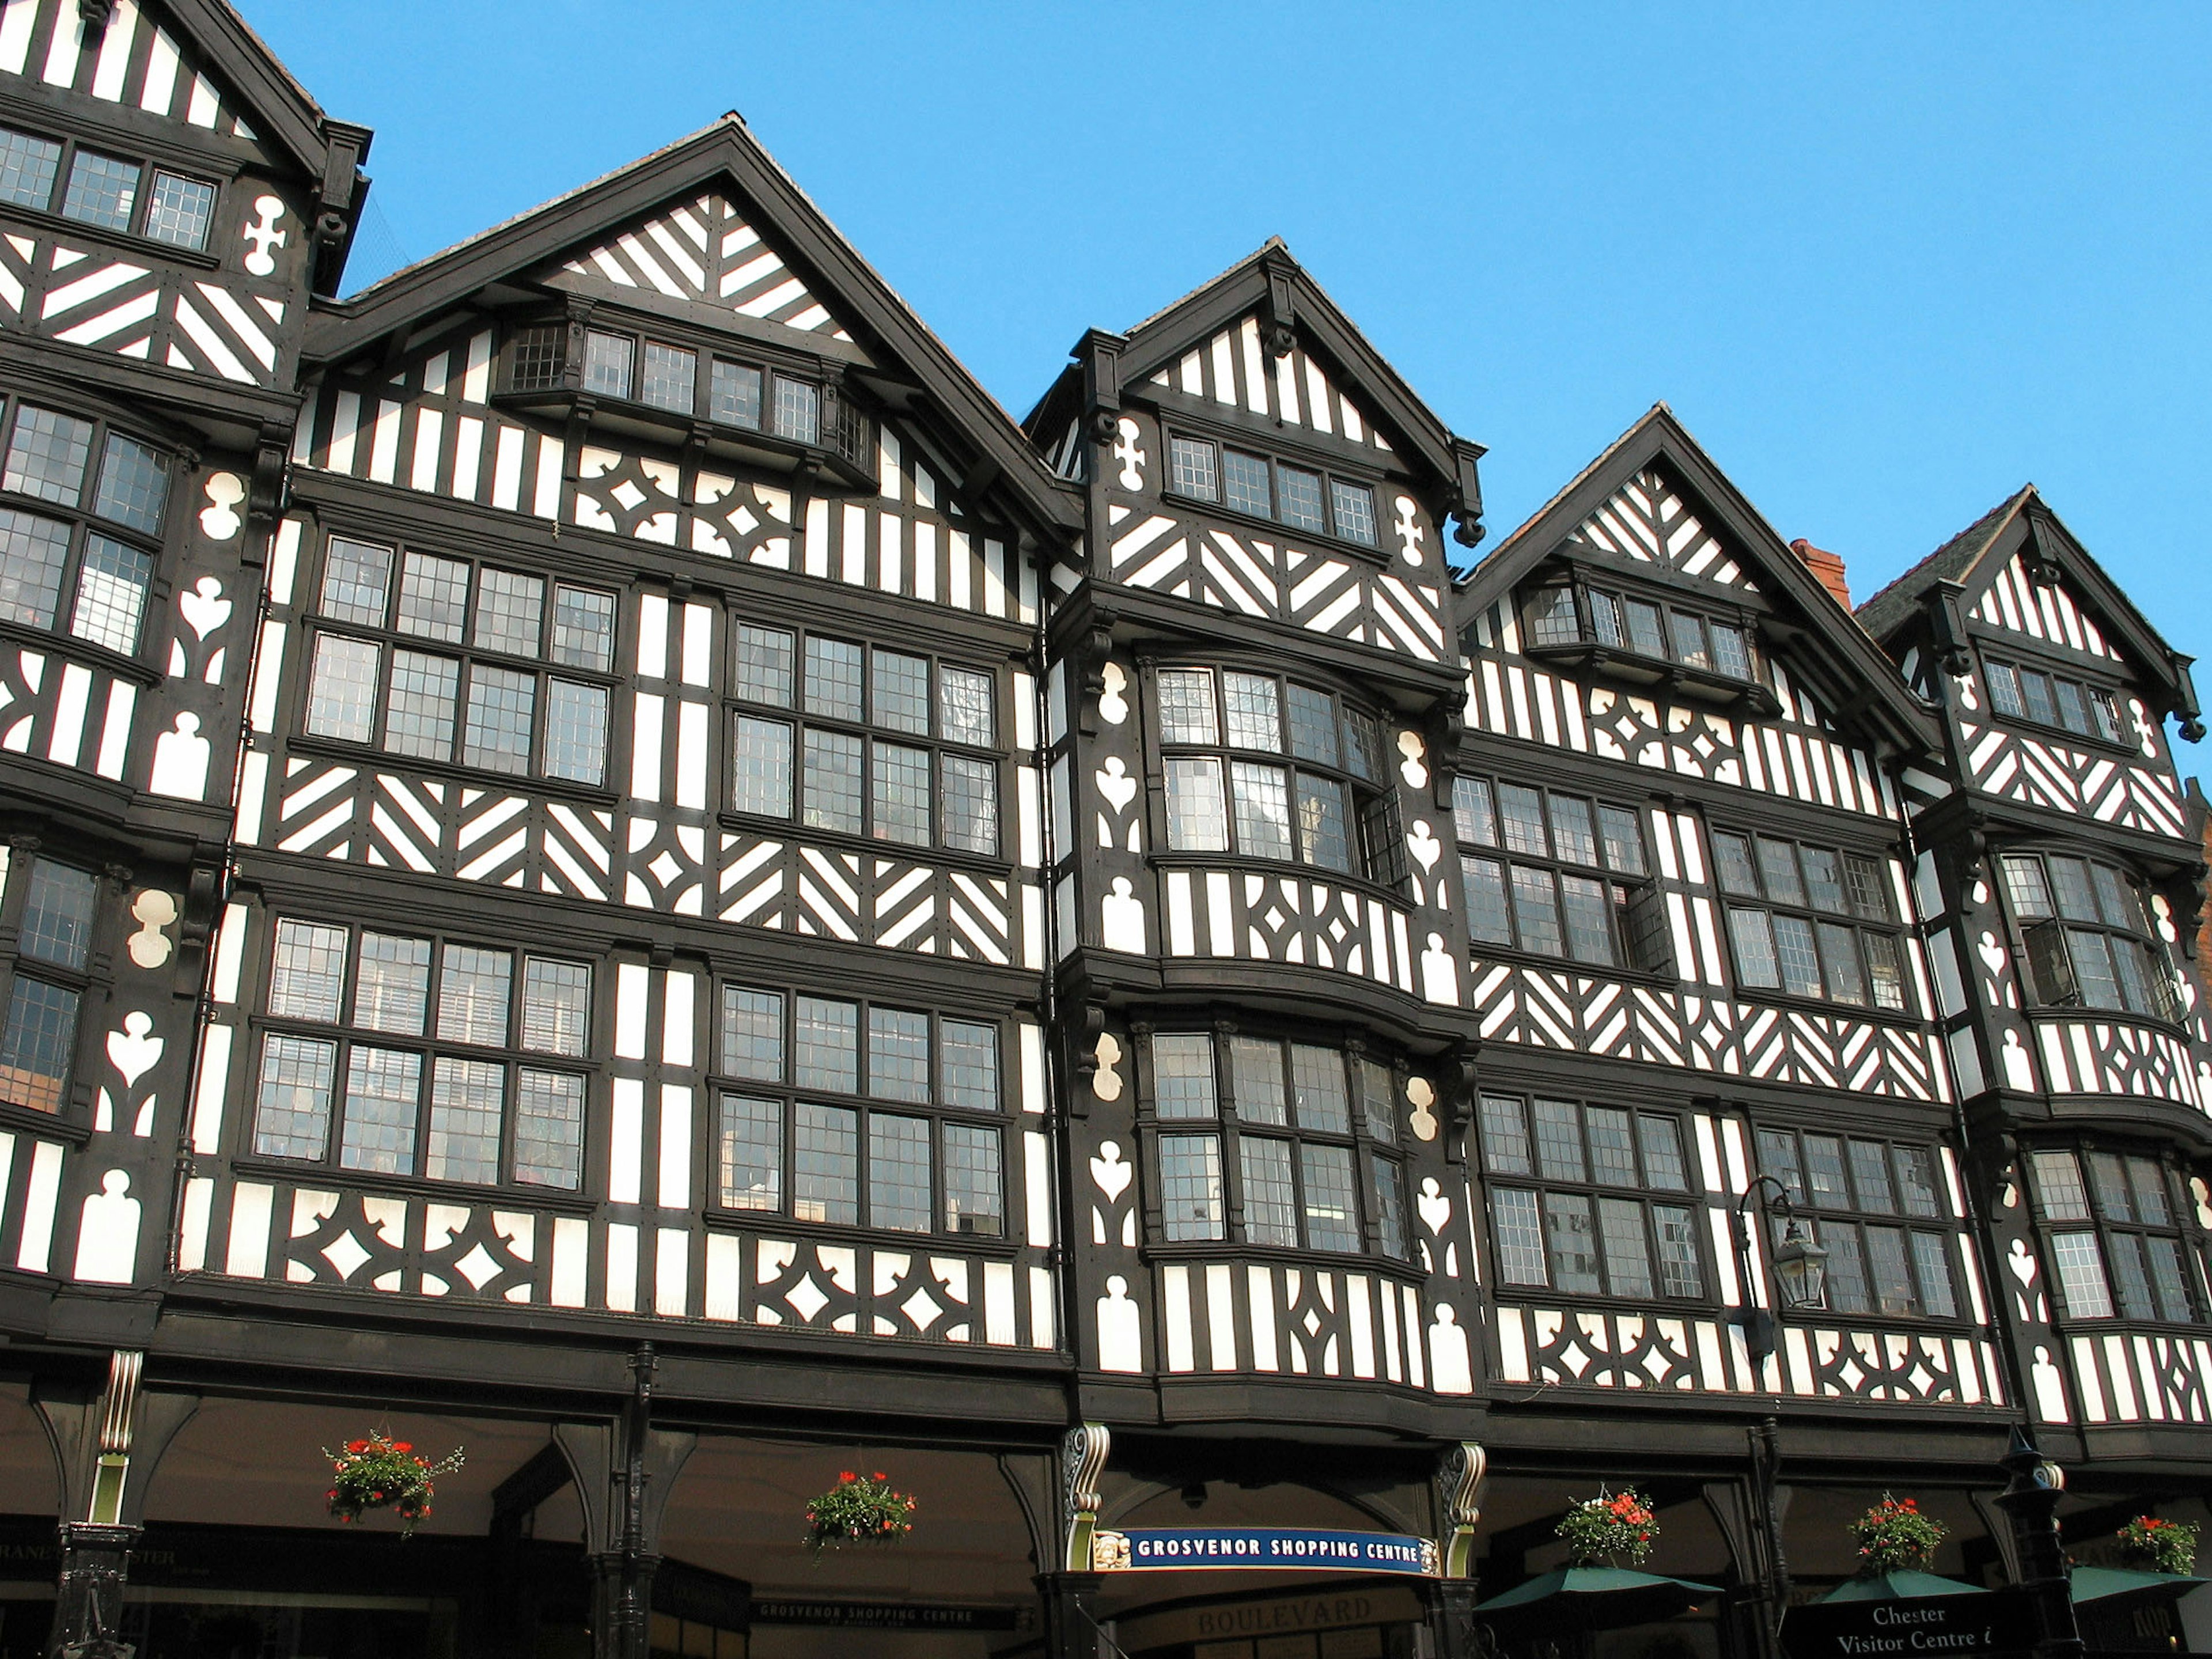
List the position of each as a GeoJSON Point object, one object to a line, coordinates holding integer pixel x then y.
{"type": "Point", "coordinates": [1084, 1059]}
{"type": "Point", "coordinates": [1279, 312]}
{"type": "Point", "coordinates": [1466, 504]}
{"type": "Point", "coordinates": [1947, 627]}
{"type": "Point", "coordinates": [1100, 354]}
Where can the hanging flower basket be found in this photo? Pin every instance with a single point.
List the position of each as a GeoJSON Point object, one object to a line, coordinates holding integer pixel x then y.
{"type": "Point", "coordinates": [1893, 1536]}
{"type": "Point", "coordinates": [1612, 1527]}
{"type": "Point", "coordinates": [2150, 1545]}
{"type": "Point", "coordinates": [859, 1509]}
{"type": "Point", "coordinates": [380, 1473]}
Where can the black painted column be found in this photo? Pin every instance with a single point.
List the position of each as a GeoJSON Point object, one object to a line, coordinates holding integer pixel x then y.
{"type": "Point", "coordinates": [88, 1604]}
{"type": "Point", "coordinates": [2030, 1499]}
{"type": "Point", "coordinates": [1451, 1619]}
{"type": "Point", "coordinates": [1071, 1625]}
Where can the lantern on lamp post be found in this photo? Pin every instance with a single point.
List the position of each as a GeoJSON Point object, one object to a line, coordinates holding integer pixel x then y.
{"type": "Point", "coordinates": [1799, 1264]}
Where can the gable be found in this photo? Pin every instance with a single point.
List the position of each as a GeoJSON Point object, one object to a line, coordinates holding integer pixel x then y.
{"type": "Point", "coordinates": [1646, 520]}
{"type": "Point", "coordinates": [138, 63]}
{"type": "Point", "coordinates": [2046, 611]}
{"type": "Point", "coordinates": [1233, 369]}
{"type": "Point", "coordinates": [705, 252]}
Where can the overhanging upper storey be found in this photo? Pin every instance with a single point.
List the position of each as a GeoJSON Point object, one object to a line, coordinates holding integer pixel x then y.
{"type": "Point", "coordinates": [1651, 570]}
{"type": "Point", "coordinates": [699, 301]}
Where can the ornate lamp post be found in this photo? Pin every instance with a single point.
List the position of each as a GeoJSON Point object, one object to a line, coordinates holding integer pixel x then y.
{"type": "Point", "coordinates": [1800, 1265]}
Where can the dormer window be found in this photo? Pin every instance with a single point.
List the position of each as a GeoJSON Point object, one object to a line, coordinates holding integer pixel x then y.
{"type": "Point", "coordinates": [1703, 650]}
{"type": "Point", "coordinates": [2088, 938]}
{"type": "Point", "coordinates": [108, 192]}
{"type": "Point", "coordinates": [1263, 487]}
{"type": "Point", "coordinates": [2028, 694]}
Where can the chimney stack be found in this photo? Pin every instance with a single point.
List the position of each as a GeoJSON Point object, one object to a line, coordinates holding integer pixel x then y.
{"type": "Point", "coordinates": [1828, 566]}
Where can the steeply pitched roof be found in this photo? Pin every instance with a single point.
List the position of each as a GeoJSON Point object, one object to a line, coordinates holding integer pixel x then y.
{"type": "Point", "coordinates": [282, 109]}
{"type": "Point", "coordinates": [1843, 649]}
{"type": "Point", "coordinates": [1882, 611]}
{"type": "Point", "coordinates": [724, 152]}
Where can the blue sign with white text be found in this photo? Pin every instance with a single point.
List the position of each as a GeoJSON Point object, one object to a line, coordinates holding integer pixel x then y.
{"type": "Point", "coordinates": [1296, 1549]}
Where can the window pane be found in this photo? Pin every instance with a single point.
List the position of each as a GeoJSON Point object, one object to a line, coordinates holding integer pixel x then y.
{"type": "Point", "coordinates": [467, 1099]}
{"type": "Point", "coordinates": [292, 1117]}
{"type": "Point", "coordinates": [583, 629]}
{"type": "Point", "coordinates": [357, 582]}
{"type": "Point", "coordinates": [1257, 1065]}
{"type": "Point", "coordinates": [899, 692]}
{"type": "Point", "coordinates": [47, 454]}
{"type": "Point", "coordinates": [1270, 1202]}
{"type": "Point", "coordinates": [1520, 1237]}
{"type": "Point", "coordinates": [1869, 887]}
{"type": "Point", "coordinates": [2026, 888]}
{"type": "Point", "coordinates": [391, 992]}
{"type": "Point", "coordinates": [1753, 938]}
{"type": "Point", "coordinates": [111, 594]}
{"type": "Point", "coordinates": [2058, 1188]}
{"type": "Point", "coordinates": [510, 612]}
{"type": "Point", "coordinates": [2073, 709]}
{"type": "Point", "coordinates": [1475, 817]}
{"type": "Point", "coordinates": [733, 394]}
{"type": "Point", "coordinates": [2117, 900]}
{"type": "Point", "coordinates": [1535, 909]}
{"type": "Point", "coordinates": [1191, 468]}
{"type": "Point", "coordinates": [898, 1055]}
{"type": "Point", "coordinates": [2108, 1175]}
{"type": "Point", "coordinates": [1778, 868]}
{"type": "Point", "coordinates": [760, 774]}
{"type": "Point", "coordinates": [27, 168]}
{"type": "Point", "coordinates": [975, 1191]}
{"type": "Point", "coordinates": [134, 484]}
{"type": "Point", "coordinates": [1627, 1256]}
{"type": "Point", "coordinates": [672, 378]}
{"type": "Point", "coordinates": [833, 782]}
{"type": "Point", "coordinates": [1886, 968]}
{"type": "Point", "coordinates": [1183, 1075]}
{"type": "Point", "coordinates": [1331, 1205]}
{"type": "Point", "coordinates": [502, 707]}
{"type": "Point", "coordinates": [1847, 1279]}
{"type": "Point", "coordinates": [969, 1063]}
{"type": "Point", "coordinates": [1552, 618]}
{"type": "Point", "coordinates": [556, 1006]}
{"type": "Point", "coordinates": [433, 596]}
{"type": "Point", "coordinates": [1731, 655]}
{"type": "Point", "coordinates": [1300, 493]}
{"type": "Point", "coordinates": [1522, 810]}
{"type": "Point", "coordinates": [748, 1154]}
{"type": "Point", "coordinates": [1661, 1141]}
{"type": "Point", "coordinates": [2166, 1279]}
{"type": "Point", "coordinates": [2082, 1292]}
{"type": "Point", "coordinates": [1824, 881]}
{"type": "Point", "coordinates": [1244, 484]}
{"type": "Point", "coordinates": [307, 971]}
{"type": "Point", "coordinates": [1363, 745]}
{"type": "Point", "coordinates": [964, 711]}
{"type": "Point", "coordinates": [752, 1033]}
{"type": "Point", "coordinates": [1840, 959]}
{"type": "Point", "coordinates": [1354, 507]}
{"type": "Point", "coordinates": [1643, 633]}
{"type": "Point", "coordinates": [2069, 880]}
{"type": "Point", "coordinates": [576, 733]}
{"type": "Point", "coordinates": [828, 1045]}
{"type": "Point", "coordinates": [2092, 967]}
{"type": "Point", "coordinates": [1559, 1140]}
{"type": "Point", "coordinates": [899, 1183]}
{"type": "Point", "coordinates": [1915, 1180]}
{"type": "Point", "coordinates": [970, 788]}
{"type": "Point", "coordinates": [899, 793]}
{"type": "Point", "coordinates": [1323, 836]}
{"type": "Point", "coordinates": [2148, 1184]}
{"type": "Point", "coordinates": [1612, 1155]}
{"type": "Point", "coordinates": [607, 364]}
{"type": "Point", "coordinates": [766, 665]}
{"type": "Point", "coordinates": [1892, 1280]}
{"type": "Point", "coordinates": [2004, 689]}
{"type": "Point", "coordinates": [1256, 719]}
{"type": "Point", "coordinates": [2035, 692]}
{"type": "Point", "coordinates": [102, 190]}
{"type": "Point", "coordinates": [833, 679]}
{"type": "Point", "coordinates": [39, 1043]}
{"type": "Point", "coordinates": [1824, 1166]}
{"type": "Point", "coordinates": [1681, 1272]}
{"type": "Point", "coordinates": [2131, 1278]}
{"type": "Point", "coordinates": [177, 211]}
{"type": "Point", "coordinates": [2134, 983]}
{"type": "Point", "coordinates": [1389, 1205]}
{"type": "Point", "coordinates": [825, 1179]}
{"type": "Point", "coordinates": [419, 717]}
{"type": "Point", "coordinates": [1488, 921]}
{"type": "Point", "coordinates": [1187, 706]}
{"type": "Point", "coordinates": [474, 988]}
{"type": "Point", "coordinates": [1190, 1187]}
{"type": "Point", "coordinates": [1931, 1262]}
{"type": "Point", "coordinates": [2106, 714]}
{"type": "Point", "coordinates": [58, 909]}
{"type": "Point", "coordinates": [1589, 925]}
{"type": "Point", "coordinates": [1605, 617]}
{"type": "Point", "coordinates": [549, 1129]}
{"type": "Point", "coordinates": [1571, 1234]}
{"type": "Point", "coordinates": [1573, 833]}
{"type": "Point", "coordinates": [1731, 865]}
{"type": "Point", "coordinates": [384, 1092]}
{"type": "Point", "coordinates": [1317, 1090]}
{"type": "Point", "coordinates": [798, 411]}
{"type": "Point", "coordinates": [1198, 816]}
{"type": "Point", "coordinates": [1689, 639]}
{"type": "Point", "coordinates": [534, 357]}
{"type": "Point", "coordinates": [1505, 1149]}
{"type": "Point", "coordinates": [33, 552]}
{"type": "Point", "coordinates": [1778, 1157]}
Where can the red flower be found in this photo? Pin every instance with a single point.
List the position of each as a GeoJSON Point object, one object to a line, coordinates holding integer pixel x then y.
{"type": "Point", "coordinates": [356, 1446]}
{"type": "Point", "coordinates": [847, 1475]}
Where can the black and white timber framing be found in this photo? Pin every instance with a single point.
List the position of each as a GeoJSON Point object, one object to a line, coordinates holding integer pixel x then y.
{"type": "Point", "coordinates": [594, 839]}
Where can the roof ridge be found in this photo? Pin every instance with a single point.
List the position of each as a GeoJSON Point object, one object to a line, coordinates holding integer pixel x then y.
{"type": "Point", "coordinates": [1575, 482]}
{"type": "Point", "coordinates": [2008, 505]}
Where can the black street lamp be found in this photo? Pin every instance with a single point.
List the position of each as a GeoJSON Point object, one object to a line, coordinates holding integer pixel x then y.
{"type": "Point", "coordinates": [1800, 1265]}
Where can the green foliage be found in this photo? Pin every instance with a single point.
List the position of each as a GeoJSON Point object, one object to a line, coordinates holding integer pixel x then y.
{"type": "Point", "coordinates": [380, 1473]}
{"type": "Point", "coordinates": [1617, 1528]}
{"type": "Point", "coordinates": [1895, 1537]}
{"type": "Point", "coordinates": [859, 1509]}
{"type": "Point", "coordinates": [2151, 1544]}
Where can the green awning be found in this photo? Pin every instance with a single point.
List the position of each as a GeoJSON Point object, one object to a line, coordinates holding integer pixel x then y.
{"type": "Point", "coordinates": [2109, 1584]}
{"type": "Point", "coordinates": [1598, 1598]}
{"type": "Point", "coordinates": [1906, 1586]}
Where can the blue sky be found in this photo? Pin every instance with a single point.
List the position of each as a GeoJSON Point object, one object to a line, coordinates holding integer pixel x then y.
{"type": "Point", "coordinates": [1887, 264]}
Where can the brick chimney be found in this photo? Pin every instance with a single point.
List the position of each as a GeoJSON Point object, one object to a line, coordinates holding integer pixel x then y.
{"type": "Point", "coordinates": [1828, 566]}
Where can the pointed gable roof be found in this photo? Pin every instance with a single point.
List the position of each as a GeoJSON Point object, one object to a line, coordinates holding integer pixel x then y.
{"type": "Point", "coordinates": [705, 252]}
{"type": "Point", "coordinates": [725, 162]}
{"type": "Point", "coordinates": [2024, 524]}
{"type": "Point", "coordinates": [1653, 494]}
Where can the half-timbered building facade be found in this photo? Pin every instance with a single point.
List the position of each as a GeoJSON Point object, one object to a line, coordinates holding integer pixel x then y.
{"type": "Point", "coordinates": [607, 865]}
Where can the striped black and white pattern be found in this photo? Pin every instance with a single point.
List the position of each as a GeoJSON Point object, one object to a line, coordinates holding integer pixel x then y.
{"type": "Point", "coordinates": [705, 252]}
{"type": "Point", "coordinates": [137, 63]}
{"type": "Point", "coordinates": [1233, 369]}
{"type": "Point", "coordinates": [93, 297]}
{"type": "Point", "coordinates": [1646, 521]}
{"type": "Point", "coordinates": [2016, 602]}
